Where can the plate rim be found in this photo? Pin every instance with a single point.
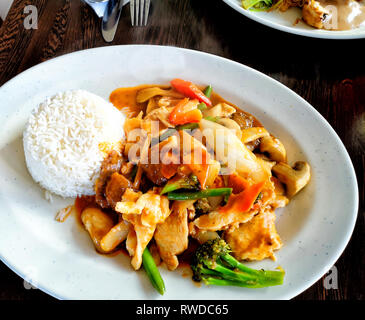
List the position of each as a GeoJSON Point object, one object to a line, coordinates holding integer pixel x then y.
{"type": "Point", "coordinates": [337, 35]}
{"type": "Point", "coordinates": [345, 240]}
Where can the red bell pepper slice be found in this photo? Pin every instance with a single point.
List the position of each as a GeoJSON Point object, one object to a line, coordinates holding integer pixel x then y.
{"type": "Point", "coordinates": [190, 90]}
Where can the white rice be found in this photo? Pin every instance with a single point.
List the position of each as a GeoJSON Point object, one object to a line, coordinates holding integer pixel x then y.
{"type": "Point", "coordinates": [63, 137]}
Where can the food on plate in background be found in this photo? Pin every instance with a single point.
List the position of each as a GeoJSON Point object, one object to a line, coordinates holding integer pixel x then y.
{"type": "Point", "coordinates": [320, 14]}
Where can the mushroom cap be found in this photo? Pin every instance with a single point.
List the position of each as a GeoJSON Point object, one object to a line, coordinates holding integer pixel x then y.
{"type": "Point", "coordinates": [274, 148]}
{"type": "Point", "coordinates": [295, 179]}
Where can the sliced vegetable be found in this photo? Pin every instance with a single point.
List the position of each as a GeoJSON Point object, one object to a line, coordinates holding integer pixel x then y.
{"type": "Point", "coordinates": [213, 119]}
{"type": "Point", "coordinates": [190, 90]}
{"type": "Point", "coordinates": [243, 201]}
{"type": "Point", "coordinates": [153, 274]}
{"type": "Point", "coordinates": [257, 5]}
{"type": "Point", "coordinates": [190, 182]}
{"type": "Point", "coordinates": [207, 91]}
{"type": "Point", "coordinates": [199, 194]}
{"type": "Point", "coordinates": [185, 112]}
{"type": "Point", "coordinates": [231, 152]}
{"type": "Point", "coordinates": [237, 183]}
{"type": "Point", "coordinates": [196, 157]}
{"type": "Point", "coordinates": [165, 135]}
{"type": "Point", "coordinates": [188, 126]}
{"type": "Point", "coordinates": [202, 106]}
{"type": "Point", "coordinates": [148, 93]}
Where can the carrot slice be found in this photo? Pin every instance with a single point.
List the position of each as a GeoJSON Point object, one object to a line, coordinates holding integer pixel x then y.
{"type": "Point", "coordinates": [243, 201]}
{"type": "Point", "coordinates": [185, 112]}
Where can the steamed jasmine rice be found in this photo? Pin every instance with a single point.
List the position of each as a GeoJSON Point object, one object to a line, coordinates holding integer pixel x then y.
{"type": "Point", "coordinates": [66, 139]}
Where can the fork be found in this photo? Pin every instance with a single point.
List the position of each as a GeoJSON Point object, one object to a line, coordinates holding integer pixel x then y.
{"type": "Point", "coordinates": [139, 12]}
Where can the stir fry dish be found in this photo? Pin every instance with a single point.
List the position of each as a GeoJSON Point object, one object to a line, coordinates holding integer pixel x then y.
{"type": "Point", "coordinates": [167, 173]}
{"type": "Point", "coordinates": [193, 167]}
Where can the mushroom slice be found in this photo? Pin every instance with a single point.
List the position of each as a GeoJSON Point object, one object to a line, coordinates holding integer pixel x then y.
{"type": "Point", "coordinates": [295, 178]}
{"type": "Point", "coordinates": [251, 134]}
{"type": "Point", "coordinates": [274, 148]}
{"type": "Point", "coordinates": [115, 236]}
{"type": "Point", "coordinates": [98, 224]}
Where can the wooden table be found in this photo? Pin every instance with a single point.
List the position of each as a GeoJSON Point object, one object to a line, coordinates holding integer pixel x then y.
{"type": "Point", "coordinates": [329, 74]}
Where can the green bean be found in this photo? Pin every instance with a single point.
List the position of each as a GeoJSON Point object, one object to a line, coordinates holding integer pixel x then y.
{"type": "Point", "coordinates": [207, 92]}
{"type": "Point", "coordinates": [199, 194]}
{"type": "Point", "coordinates": [152, 271]}
{"type": "Point", "coordinates": [188, 126]}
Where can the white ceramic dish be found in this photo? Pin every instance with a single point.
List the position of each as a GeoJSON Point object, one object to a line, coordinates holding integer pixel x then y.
{"type": "Point", "coordinates": [59, 258]}
{"type": "Point", "coordinates": [284, 21]}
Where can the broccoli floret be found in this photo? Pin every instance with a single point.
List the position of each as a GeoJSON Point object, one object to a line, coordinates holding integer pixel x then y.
{"type": "Point", "coordinates": [213, 264]}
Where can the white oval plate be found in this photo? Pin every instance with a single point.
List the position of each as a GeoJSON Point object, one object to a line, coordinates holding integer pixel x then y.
{"type": "Point", "coordinates": [59, 258]}
{"type": "Point", "coordinates": [284, 21]}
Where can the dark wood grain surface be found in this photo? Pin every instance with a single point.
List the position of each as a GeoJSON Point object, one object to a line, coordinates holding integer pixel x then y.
{"type": "Point", "coordinates": [329, 74]}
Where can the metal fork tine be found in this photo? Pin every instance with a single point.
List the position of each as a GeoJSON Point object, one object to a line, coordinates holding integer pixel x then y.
{"type": "Point", "coordinates": [141, 13]}
{"type": "Point", "coordinates": [137, 12]}
{"type": "Point", "coordinates": [132, 7]}
{"type": "Point", "coordinates": [146, 11]}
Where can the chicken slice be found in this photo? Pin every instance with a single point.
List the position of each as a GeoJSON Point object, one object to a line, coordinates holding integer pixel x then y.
{"type": "Point", "coordinates": [144, 212]}
{"type": "Point", "coordinates": [256, 239]}
{"type": "Point", "coordinates": [314, 14]}
{"type": "Point", "coordinates": [172, 236]}
{"type": "Point", "coordinates": [115, 236]}
{"type": "Point", "coordinates": [98, 224]}
{"type": "Point", "coordinates": [138, 238]}
{"type": "Point", "coordinates": [216, 220]}
{"type": "Point", "coordinates": [152, 207]}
